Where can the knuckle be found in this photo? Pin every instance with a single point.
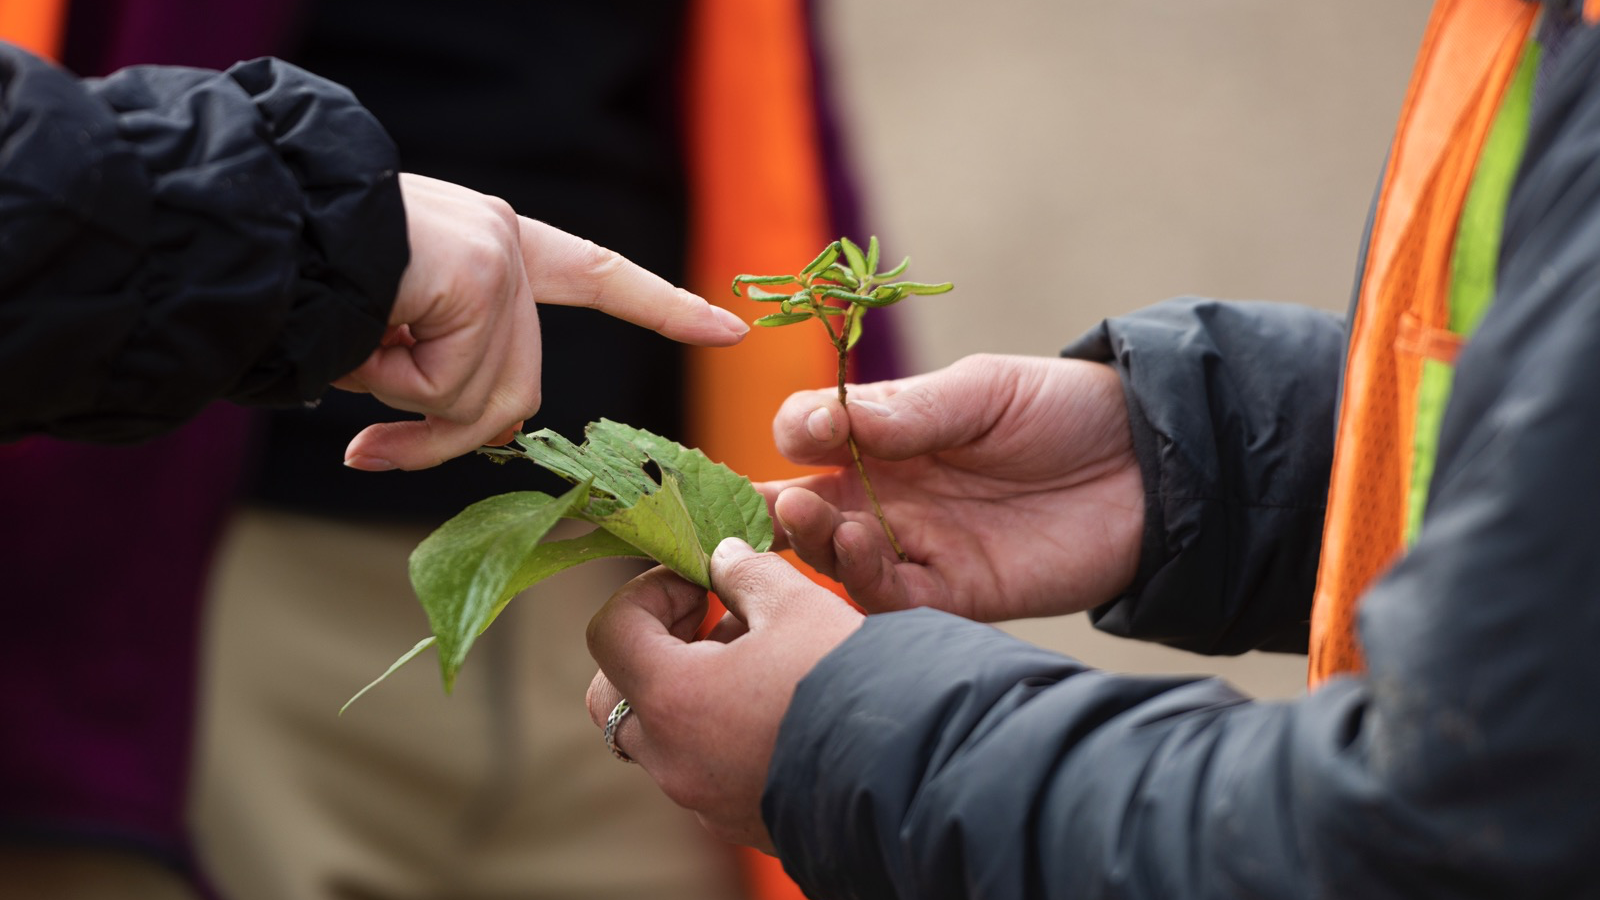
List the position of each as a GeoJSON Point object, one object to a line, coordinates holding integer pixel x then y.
{"type": "Point", "coordinates": [740, 573]}
{"type": "Point", "coordinates": [920, 404]}
{"type": "Point", "coordinates": [502, 211]}
{"type": "Point", "coordinates": [980, 370]}
{"type": "Point", "coordinates": [757, 575]}
{"type": "Point", "coordinates": [595, 697]}
{"type": "Point", "coordinates": [484, 275]}
{"type": "Point", "coordinates": [598, 266]}
{"type": "Point", "coordinates": [491, 253]}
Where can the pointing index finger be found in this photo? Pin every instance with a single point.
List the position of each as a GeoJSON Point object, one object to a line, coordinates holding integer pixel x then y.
{"type": "Point", "coordinates": [566, 270]}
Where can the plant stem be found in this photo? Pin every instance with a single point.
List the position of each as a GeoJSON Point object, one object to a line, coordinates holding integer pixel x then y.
{"type": "Point", "coordinates": [840, 342]}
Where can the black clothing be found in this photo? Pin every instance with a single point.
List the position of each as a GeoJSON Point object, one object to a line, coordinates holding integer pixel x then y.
{"type": "Point", "coordinates": [172, 236]}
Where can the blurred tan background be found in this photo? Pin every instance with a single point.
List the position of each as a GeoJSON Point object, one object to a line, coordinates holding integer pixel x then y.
{"type": "Point", "coordinates": [1066, 161]}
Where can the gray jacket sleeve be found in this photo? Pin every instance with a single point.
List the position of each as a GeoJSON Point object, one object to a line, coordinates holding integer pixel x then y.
{"type": "Point", "coordinates": [173, 236]}
{"type": "Point", "coordinates": [1233, 407]}
{"type": "Point", "coordinates": [930, 757]}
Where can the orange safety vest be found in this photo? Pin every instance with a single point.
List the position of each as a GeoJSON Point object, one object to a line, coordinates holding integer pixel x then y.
{"type": "Point", "coordinates": [1471, 51]}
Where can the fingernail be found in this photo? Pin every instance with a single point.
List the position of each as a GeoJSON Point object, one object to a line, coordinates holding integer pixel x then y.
{"type": "Point", "coordinates": [730, 321]}
{"type": "Point", "coordinates": [820, 424]}
{"type": "Point", "coordinates": [369, 463]}
{"type": "Point", "coordinates": [872, 406]}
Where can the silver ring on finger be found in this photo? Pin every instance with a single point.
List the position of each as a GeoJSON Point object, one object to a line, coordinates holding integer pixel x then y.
{"type": "Point", "coordinates": [613, 721]}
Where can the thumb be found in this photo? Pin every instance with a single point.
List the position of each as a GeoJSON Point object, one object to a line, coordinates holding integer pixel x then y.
{"type": "Point", "coordinates": [756, 587]}
{"type": "Point", "coordinates": [896, 420]}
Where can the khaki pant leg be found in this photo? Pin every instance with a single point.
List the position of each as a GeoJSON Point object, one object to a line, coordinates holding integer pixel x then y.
{"type": "Point", "coordinates": [503, 790]}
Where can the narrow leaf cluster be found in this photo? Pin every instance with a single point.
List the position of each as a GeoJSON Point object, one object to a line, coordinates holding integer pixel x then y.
{"type": "Point", "coordinates": [843, 282]}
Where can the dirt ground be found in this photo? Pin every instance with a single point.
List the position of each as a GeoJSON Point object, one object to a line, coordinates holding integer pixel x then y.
{"type": "Point", "coordinates": [1065, 161]}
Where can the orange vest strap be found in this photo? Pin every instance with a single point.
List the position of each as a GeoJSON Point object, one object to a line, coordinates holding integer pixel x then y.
{"type": "Point", "coordinates": [1469, 55]}
{"type": "Point", "coordinates": [34, 25]}
{"type": "Point", "coordinates": [1591, 11]}
{"type": "Point", "coordinates": [757, 206]}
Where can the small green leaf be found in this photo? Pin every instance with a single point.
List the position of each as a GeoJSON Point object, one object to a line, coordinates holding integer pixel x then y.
{"type": "Point", "coordinates": [872, 257]}
{"type": "Point", "coordinates": [823, 260]}
{"type": "Point", "coordinates": [855, 326]}
{"type": "Point", "coordinates": [884, 295]}
{"type": "Point", "coordinates": [755, 293]}
{"type": "Point", "coordinates": [777, 319]}
{"type": "Point", "coordinates": [854, 256]}
{"type": "Point", "coordinates": [830, 309]}
{"type": "Point", "coordinates": [915, 287]}
{"type": "Point", "coordinates": [875, 303]}
{"type": "Point", "coordinates": [894, 272]}
{"type": "Point", "coordinates": [846, 296]}
{"type": "Point", "coordinates": [762, 279]}
{"type": "Point", "coordinates": [839, 274]}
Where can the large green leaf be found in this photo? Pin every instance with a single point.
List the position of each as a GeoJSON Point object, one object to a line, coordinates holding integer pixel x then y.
{"type": "Point", "coordinates": [650, 497]}
{"type": "Point", "coordinates": [660, 524]}
{"type": "Point", "coordinates": [720, 502]}
{"type": "Point", "coordinates": [541, 562]}
{"type": "Point", "coordinates": [465, 572]}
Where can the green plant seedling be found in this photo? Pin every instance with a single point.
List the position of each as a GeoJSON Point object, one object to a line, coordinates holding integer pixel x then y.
{"type": "Point", "coordinates": [837, 288]}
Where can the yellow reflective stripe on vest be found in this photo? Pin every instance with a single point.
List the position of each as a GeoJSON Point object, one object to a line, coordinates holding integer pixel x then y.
{"type": "Point", "coordinates": [1473, 272]}
{"type": "Point", "coordinates": [1469, 55]}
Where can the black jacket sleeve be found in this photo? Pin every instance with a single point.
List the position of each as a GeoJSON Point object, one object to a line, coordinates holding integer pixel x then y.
{"type": "Point", "coordinates": [930, 757]}
{"type": "Point", "coordinates": [1232, 407]}
{"type": "Point", "coordinates": [173, 236]}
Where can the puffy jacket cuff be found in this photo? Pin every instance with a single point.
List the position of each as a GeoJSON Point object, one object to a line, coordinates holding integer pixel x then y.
{"type": "Point", "coordinates": [1232, 408]}
{"type": "Point", "coordinates": [352, 250]}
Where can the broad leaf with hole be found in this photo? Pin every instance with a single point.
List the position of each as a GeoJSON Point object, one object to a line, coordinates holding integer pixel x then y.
{"type": "Point", "coordinates": [649, 496]}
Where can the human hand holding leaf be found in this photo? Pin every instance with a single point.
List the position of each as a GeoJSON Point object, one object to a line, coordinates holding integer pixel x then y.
{"type": "Point", "coordinates": [471, 567]}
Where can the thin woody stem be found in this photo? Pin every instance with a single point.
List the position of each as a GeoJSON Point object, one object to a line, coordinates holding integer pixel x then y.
{"type": "Point", "coordinates": [876, 509]}
{"type": "Point", "coordinates": [840, 343]}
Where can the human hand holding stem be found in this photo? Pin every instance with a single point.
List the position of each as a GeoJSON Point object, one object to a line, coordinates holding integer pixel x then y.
{"type": "Point", "coordinates": [844, 274]}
